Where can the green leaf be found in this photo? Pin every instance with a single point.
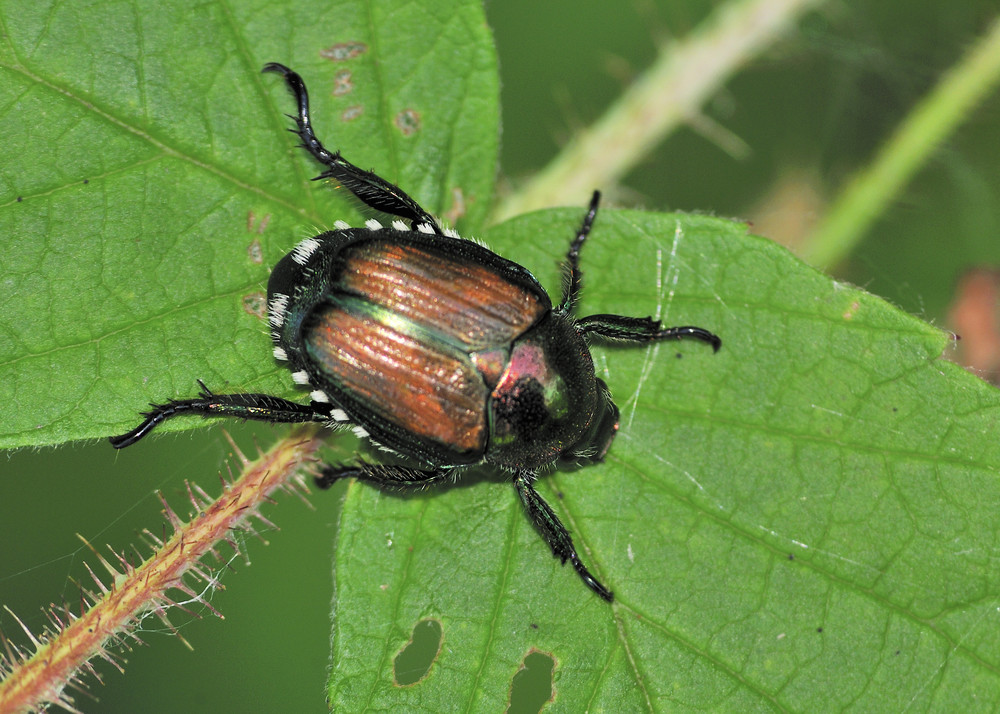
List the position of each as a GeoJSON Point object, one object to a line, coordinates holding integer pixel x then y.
{"type": "Point", "coordinates": [145, 196]}
{"type": "Point", "coordinates": [804, 521]}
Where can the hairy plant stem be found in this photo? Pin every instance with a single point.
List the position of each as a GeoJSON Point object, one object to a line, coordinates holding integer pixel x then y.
{"type": "Point", "coordinates": [685, 74]}
{"type": "Point", "coordinates": [935, 116]}
{"type": "Point", "coordinates": [109, 618]}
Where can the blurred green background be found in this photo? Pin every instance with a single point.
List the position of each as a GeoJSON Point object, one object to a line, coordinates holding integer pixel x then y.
{"type": "Point", "coordinates": [804, 115]}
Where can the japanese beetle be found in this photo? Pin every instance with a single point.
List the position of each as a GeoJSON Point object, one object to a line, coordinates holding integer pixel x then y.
{"type": "Point", "coordinates": [434, 347]}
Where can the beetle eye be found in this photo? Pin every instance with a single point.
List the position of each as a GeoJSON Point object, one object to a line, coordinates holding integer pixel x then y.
{"type": "Point", "coordinates": [594, 444]}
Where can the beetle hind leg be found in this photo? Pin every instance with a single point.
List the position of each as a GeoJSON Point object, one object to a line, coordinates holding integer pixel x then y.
{"type": "Point", "coordinates": [383, 475]}
{"type": "Point", "coordinates": [554, 532]}
{"type": "Point", "coordinates": [370, 188]}
{"type": "Point", "coordinates": [258, 407]}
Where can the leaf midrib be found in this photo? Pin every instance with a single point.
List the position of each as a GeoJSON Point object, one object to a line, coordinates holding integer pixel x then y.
{"type": "Point", "coordinates": [168, 149]}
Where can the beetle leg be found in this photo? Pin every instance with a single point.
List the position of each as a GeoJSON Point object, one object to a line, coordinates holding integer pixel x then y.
{"type": "Point", "coordinates": [259, 407]}
{"type": "Point", "coordinates": [571, 268]}
{"type": "Point", "coordinates": [642, 329]}
{"type": "Point", "coordinates": [553, 531]}
{"type": "Point", "coordinates": [383, 475]}
{"type": "Point", "coordinates": [370, 188]}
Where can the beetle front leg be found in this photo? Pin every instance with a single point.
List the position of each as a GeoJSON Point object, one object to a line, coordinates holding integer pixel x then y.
{"type": "Point", "coordinates": [571, 266]}
{"type": "Point", "coordinates": [642, 329]}
{"type": "Point", "coordinates": [400, 477]}
{"type": "Point", "coordinates": [553, 531]}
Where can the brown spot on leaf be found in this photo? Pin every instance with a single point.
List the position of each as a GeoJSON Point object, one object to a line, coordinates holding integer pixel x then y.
{"type": "Point", "coordinates": [254, 225]}
{"type": "Point", "coordinates": [342, 83]}
{"type": "Point", "coordinates": [255, 252]}
{"type": "Point", "coordinates": [255, 304]}
{"type": "Point", "coordinates": [408, 122]}
{"type": "Point", "coordinates": [352, 113]}
{"type": "Point", "coordinates": [344, 51]}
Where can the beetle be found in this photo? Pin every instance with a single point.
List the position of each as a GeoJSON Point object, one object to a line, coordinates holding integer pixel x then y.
{"type": "Point", "coordinates": [433, 347]}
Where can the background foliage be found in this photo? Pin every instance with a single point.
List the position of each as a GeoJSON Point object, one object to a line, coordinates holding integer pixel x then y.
{"type": "Point", "coordinates": [810, 112]}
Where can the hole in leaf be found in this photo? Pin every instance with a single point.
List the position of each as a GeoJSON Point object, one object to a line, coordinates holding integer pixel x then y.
{"type": "Point", "coordinates": [415, 659]}
{"type": "Point", "coordinates": [531, 688]}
